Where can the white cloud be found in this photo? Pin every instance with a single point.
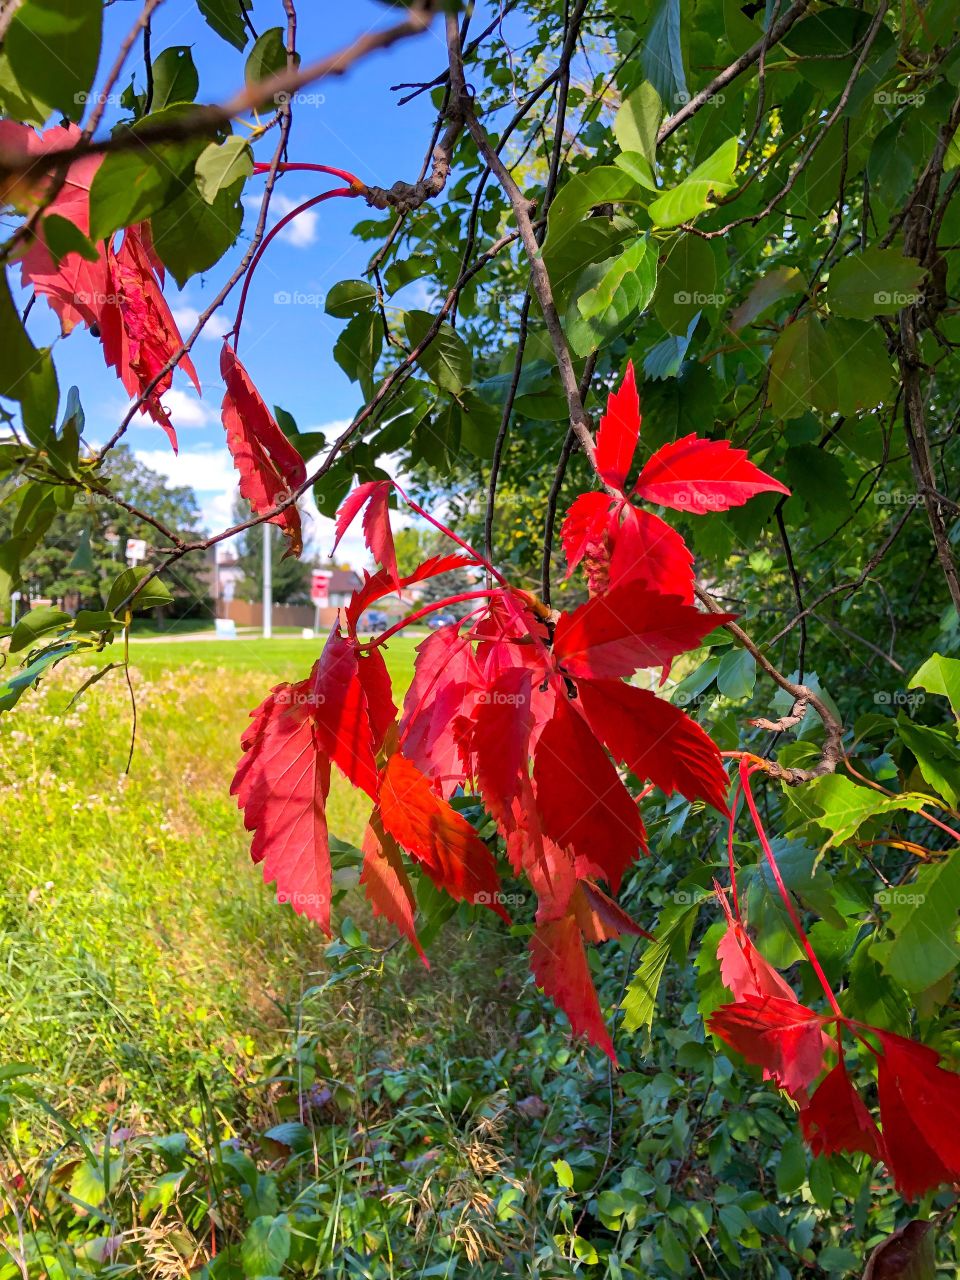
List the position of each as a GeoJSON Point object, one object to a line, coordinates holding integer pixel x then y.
{"type": "Point", "coordinates": [301, 232]}
{"type": "Point", "coordinates": [187, 315]}
{"type": "Point", "coordinates": [186, 409]}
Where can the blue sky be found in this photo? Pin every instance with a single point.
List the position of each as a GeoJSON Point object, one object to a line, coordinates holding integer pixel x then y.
{"type": "Point", "coordinates": [353, 123]}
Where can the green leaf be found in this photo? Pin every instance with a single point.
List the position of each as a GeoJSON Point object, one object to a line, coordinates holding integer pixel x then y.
{"type": "Point", "coordinates": [38, 622]}
{"type": "Point", "coordinates": [765, 292]}
{"type": "Point", "coordinates": [924, 917]}
{"type": "Point", "coordinates": [686, 284]}
{"type": "Point", "coordinates": [640, 1000]}
{"type": "Point", "coordinates": [15, 686]}
{"type": "Point", "coordinates": [803, 370]}
{"type": "Point", "coordinates": [153, 594]}
{"type": "Point", "coordinates": [636, 123]}
{"type": "Point", "coordinates": [221, 165]}
{"type": "Point", "coordinates": [863, 365]}
{"type": "Point", "coordinates": [713, 177]}
{"type": "Point", "coordinates": [267, 57]}
{"type": "Point", "coordinates": [841, 807]}
{"type": "Point", "coordinates": [16, 102]}
{"type": "Point", "coordinates": [937, 755]}
{"type": "Point", "coordinates": [940, 675]}
{"type": "Point", "coordinates": [190, 235]}
{"type": "Point", "coordinates": [26, 374]}
{"type": "Point", "coordinates": [792, 1167]}
{"type": "Point", "coordinates": [63, 237]}
{"type": "Point", "coordinates": [662, 56]}
{"type": "Point", "coordinates": [226, 19]}
{"type": "Point", "coordinates": [447, 361]}
{"type": "Point", "coordinates": [358, 348]}
{"type": "Point", "coordinates": [266, 1246]}
{"type": "Point", "coordinates": [614, 292]}
{"type": "Point", "coordinates": [605, 185]}
{"type": "Point", "coordinates": [737, 674]}
{"type": "Point", "coordinates": [877, 282]}
{"type": "Point", "coordinates": [175, 77]}
{"type": "Point", "coordinates": [162, 1193]}
{"type": "Point", "coordinates": [54, 47]}
{"type": "Point", "coordinates": [348, 298]}
{"type": "Point", "coordinates": [564, 1174]}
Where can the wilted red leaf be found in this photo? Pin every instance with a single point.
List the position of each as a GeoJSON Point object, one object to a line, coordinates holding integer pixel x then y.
{"type": "Point", "coordinates": [270, 468]}
{"type": "Point", "coordinates": [655, 740]}
{"type": "Point", "coordinates": [697, 476]}
{"type": "Point", "coordinates": [908, 1254]}
{"type": "Point", "coordinates": [619, 432]}
{"type": "Point", "coordinates": [451, 852]}
{"type": "Point", "coordinates": [599, 918]}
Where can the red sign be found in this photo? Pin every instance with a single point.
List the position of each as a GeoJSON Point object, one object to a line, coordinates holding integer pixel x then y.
{"type": "Point", "coordinates": [320, 587]}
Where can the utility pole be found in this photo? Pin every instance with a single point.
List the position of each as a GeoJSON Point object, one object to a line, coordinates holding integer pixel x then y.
{"type": "Point", "coordinates": [267, 583]}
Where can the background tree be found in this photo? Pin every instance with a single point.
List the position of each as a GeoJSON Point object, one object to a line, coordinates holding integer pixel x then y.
{"type": "Point", "coordinates": [291, 577]}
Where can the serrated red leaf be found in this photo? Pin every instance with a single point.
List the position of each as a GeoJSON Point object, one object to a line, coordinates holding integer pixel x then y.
{"type": "Point", "coordinates": [582, 803]}
{"type": "Point", "coordinates": [281, 784]}
{"type": "Point", "coordinates": [599, 918]}
{"type": "Point", "coordinates": [137, 328]}
{"type": "Point", "coordinates": [375, 495]}
{"type": "Point", "coordinates": [500, 739]}
{"type": "Point", "coordinates": [628, 628]}
{"type": "Point", "coordinates": [697, 476]}
{"type": "Point", "coordinates": [619, 432]}
{"type": "Point", "coordinates": [442, 840]}
{"type": "Point", "coordinates": [380, 584]}
{"type": "Point", "coordinates": [270, 468]}
{"type": "Point", "coordinates": [920, 1114]}
{"type": "Point", "coordinates": [559, 963]}
{"type": "Point", "coordinates": [584, 530]}
{"type": "Point", "coordinates": [387, 884]}
{"type": "Point", "coordinates": [648, 553]}
{"type": "Point", "coordinates": [835, 1119]}
{"type": "Point", "coordinates": [337, 700]}
{"type": "Point", "coordinates": [783, 1037]}
{"type": "Point", "coordinates": [446, 684]}
{"type": "Point", "coordinates": [655, 740]}
{"type": "Point", "coordinates": [744, 970]}
{"type": "Point", "coordinates": [378, 692]}
{"type": "Point", "coordinates": [74, 289]}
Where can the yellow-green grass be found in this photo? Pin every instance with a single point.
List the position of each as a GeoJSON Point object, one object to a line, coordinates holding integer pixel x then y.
{"type": "Point", "coordinates": [138, 944]}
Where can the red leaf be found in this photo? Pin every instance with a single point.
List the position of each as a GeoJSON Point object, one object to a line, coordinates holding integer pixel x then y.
{"type": "Point", "coordinates": [600, 918]}
{"type": "Point", "coordinates": [649, 553]}
{"type": "Point", "coordinates": [281, 785]}
{"type": "Point", "coordinates": [583, 804]}
{"type": "Point", "coordinates": [387, 884]}
{"type": "Point", "coordinates": [560, 968]}
{"type": "Point", "coordinates": [835, 1119]}
{"type": "Point", "coordinates": [270, 467]}
{"type": "Point", "coordinates": [376, 523]}
{"type": "Point", "coordinates": [744, 970]}
{"type": "Point", "coordinates": [500, 741]}
{"type": "Point", "coordinates": [655, 740]}
{"type": "Point", "coordinates": [619, 432]}
{"type": "Point", "coordinates": [338, 702]}
{"type": "Point", "coordinates": [76, 288]}
{"type": "Point", "coordinates": [782, 1036]}
{"type": "Point", "coordinates": [446, 684]}
{"type": "Point", "coordinates": [378, 692]}
{"type": "Point", "coordinates": [920, 1113]}
{"type": "Point", "coordinates": [137, 328]}
{"type": "Point", "coordinates": [380, 584]}
{"type": "Point", "coordinates": [585, 528]}
{"type": "Point", "coordinates": [452, 853]}
{"type": "Point", "coordinates": [628, 628]}
{"type": "Point", "coordinates": [547, 866]}
{"type": "Point", "coordinates": [697, 476]}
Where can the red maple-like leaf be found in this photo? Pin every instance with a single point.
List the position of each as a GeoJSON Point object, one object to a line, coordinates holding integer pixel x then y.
{"type": "Point", "coordinates": [599, 917]}
{"type": "Point", "coordinates": [559, 963]}
{"type": "Point", "coordinates": [75, 288]}
{"type": "Point", "coordinates": [585, 528]}
{"type": "Point", "coordinates": [920, 1114]}
{"type": "Point", "coordinates": [744, 970]}
{"type": "Point", "coordinates": [619, 432]}
{"type": "Point", "coordinates": [338, 701]}
{"type": "Point", "coordinates": [137, 329]}
{"type": "Point", "coordinates": [446, 684]}
{"type": "Point", "coordinates": [500, 740]}
{"type": "Point", "coordinates": [442, 840]}
{"type": "Point", "coordinates": [582, 803]}
{"type": "Point", "coordinates": [270, 468]}
{"type": "Point", "coordinates": [281, 784]}
{"type": "Point", "coordinates": [835, 1118]}
{"type": "Point", "coordinates": [697, 476]}
{"type": "Point", "coordinates": [783, 1037]}
{"type": "Point", "coordinates": [647, 552]}
{"type": "Point", "coordinates": [375, 494]}
{"type": "Point", "coordinates": [378, 692]}
{"type": "Point", "coordinates": [629, 628]}
{"type": "Point", "coordinates": [655, 740]}
{"type": "Point", "coordinates": [387, 885]}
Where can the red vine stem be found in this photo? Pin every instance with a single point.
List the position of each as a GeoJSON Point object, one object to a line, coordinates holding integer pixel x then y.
{"type": "Point", "coordinates": [745, 769]}
{"type": "Point", "coordinates": [483, 594]}
{"type": "Point", "coordinates": [734, 801]}
{"type": "Point", "coordinates": [287, 217]}
{"type": "Point", "coordinates": [303, 167]}
{"type": "Point", "coordinates": [437, 524]}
